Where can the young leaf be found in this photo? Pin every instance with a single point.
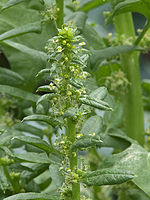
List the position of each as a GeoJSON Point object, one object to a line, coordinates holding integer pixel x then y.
{"type": "Point", "coordinates": [10, 3]}
{"type": "Point", "coordinates": [31, 196]}
{"type": "Point", "coordinates": [46, 97]}
{"type": "Point", "coordinates": [44, 88]}
{"type": "Point", "coordinates": [27, 28]}
{"type": "Point", "coordinates": [42, 118]}
{"type": "Point", "coordinates": [16, 92]}
{"type": "Point", "coordinates": [36, 142]}
{"type": "Point", "coordinates": [106, 177]}
{"type": "Point", "coordinates": [86, 141]}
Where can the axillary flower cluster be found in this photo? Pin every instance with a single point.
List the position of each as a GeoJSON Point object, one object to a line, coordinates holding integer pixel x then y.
{"type": "Point", "coordinates": [68, 59]}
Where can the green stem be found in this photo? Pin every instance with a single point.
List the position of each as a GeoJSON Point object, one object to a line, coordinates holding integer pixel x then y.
{"type": "Point", "coordinates": [14, 184]}
{"type": "Point", "coordinates": [73, 159]}
{"type": "Point", "coordinates": [60, 19]}
{"type": "Point", "coordinates": [133, 99]}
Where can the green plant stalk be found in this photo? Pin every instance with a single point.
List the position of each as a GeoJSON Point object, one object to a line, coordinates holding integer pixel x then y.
{"type": "Point", "coordinates": [13, 183]}
{"type": "Point", "coordinates": [73, 159]}
{"type": "Point", "coordinates": [60, 18]}
{"type": "Point", "coordinates": [134, 115]}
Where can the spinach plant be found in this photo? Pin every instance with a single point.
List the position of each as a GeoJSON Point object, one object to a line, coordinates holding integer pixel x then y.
{"type": "Point", "coordinates": [83, 92]}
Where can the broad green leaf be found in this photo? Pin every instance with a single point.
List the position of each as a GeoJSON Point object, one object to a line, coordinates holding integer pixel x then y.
{"type": "Point", "coordinates": [16, 92]}
{"type": "Point", "coordinates": [107, 177]}
{"type": "Point", "coordinates": [42, 72]}
{"type": "Point", "coordinates": [44, 88]}
{"type": "Point", "coordinates": [86, 141]}
{"type": "Point", "coordinates": [29, 128]}
{"type": "Point", "coordinates": [135, 159]}
{"type": "Point", "coordinates": [42, 118]}
{"type": "Point", "coordinates": [33, 157]}
{"type": "Point", "coordinates": [31, 196]}
{"type": "Point", "coordinates": [70, 112]}
{"type": "Point", "coordinates": [140, 6]}
{"type": "Point", "coordinates": [39, 55]}
{"type": "Point", "coordinates": [99, 94]}
{"type": "Point", "coordinates": [56, 175]}
{"type": "Point", "coordinates": [27, 28]}
{"type": "Point", "coordinates": [10, 3]}
{"type": "Point", "coordinates": [137, 194]}
{"type": "Point", "coordinates": [93, 124]}
{"type": "Point", "coordinates": [35, 142]}
{"type": "Point", "coordinates": [90, 4]}
{"type": "Point", "coordinates": [95, 104]}
{"type": "Point", "coordinates": [98, 55]}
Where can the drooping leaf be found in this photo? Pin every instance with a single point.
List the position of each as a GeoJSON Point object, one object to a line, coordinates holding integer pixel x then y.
{"type": "Point", "coordinates": [31, 196]}
{"type": "Point", "coordinates": [135, 156]}
{"type": "Point", "coordinates": [10, 3]}
{"type": "Point", "coordinates": [39, 55]}
{"type": "Point", "coordinates": [33, 157]}
{"type": "Point", "coordinates": [42, 118]}
{"type": "Point", "coordinates": [106, 177]}
{"type": "Point", "coordinates": [27, 28]}
{"type": "Point", "coordinates": [90, 4]}
{"type": "Point", "coordinates": [86, 141]}
{"type": "Point", "coordinates": [16, 92]}
{"type": "Point", "coordinates": [140, 6]}
{"type": "Point", "coordinates": [35, 142]}
{"type": "Point", "coordinates": [93, 124]}
{"type": "Point", "coordinates": [29, 128]}
{"type": "Point", "coordinates": [98, 55]}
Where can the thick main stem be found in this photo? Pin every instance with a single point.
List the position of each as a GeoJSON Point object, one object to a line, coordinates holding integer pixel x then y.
{"type": "Point", "coordinates": [134, 117]}
{"type": "Point", "coordinates": [73, 158]}
{"type": "Point", "coordinates": [60, 14]}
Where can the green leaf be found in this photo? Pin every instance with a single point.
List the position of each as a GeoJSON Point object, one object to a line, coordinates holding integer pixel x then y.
{"type": "Point", "coordinates": [10, 3]}
{"type": "Point", "coordinates": [42, 72]}
{"type": "Point", "coordinates": [29, 128]}
{"type": "Point", "coordinates": [16, 92]}
{"type": "Point", "coordinates": [90, 4]}
{"type": "Point", "coordinates": [95, 104]}
{"type": "Point", "coordinates": [33, 157]}
{"type": "Point", "coordinates": [86, 141]}
{"type": "Point", "coordinates": [9, 77]}
{"type": "Point", "coordinates": [44, 88]}
{"type": "Point", "coordinates": [39, 55]}
{"type": "Point", "coordinates": [99, 94]}
{"type": "Point", "coordinates": [36, 142]}
{"type": "Point", "coordinates": [56, 175]}
{"type": "Point", "coordinates": [98, 55]}
{"type": "Point", "coordinates": [27, 28]}
{"type": "Point", "coordinates": [31, 196]}
{"type": "Point", "coordinates": [42, 118]}
{"type": "Point", "coordinates": [106, 177]}
{"type": "Point", "coordinates": [93, 124]}
{"type": "Point", "coordinates": [140, 6]}
{"type": "Point", "coordinates": [45, 97]}
{"type": "Point", "coordinates": [136, 160]}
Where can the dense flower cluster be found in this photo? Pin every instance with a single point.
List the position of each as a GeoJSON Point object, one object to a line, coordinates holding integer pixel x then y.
{"type": "Point", "coordinates": [68, 59]}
